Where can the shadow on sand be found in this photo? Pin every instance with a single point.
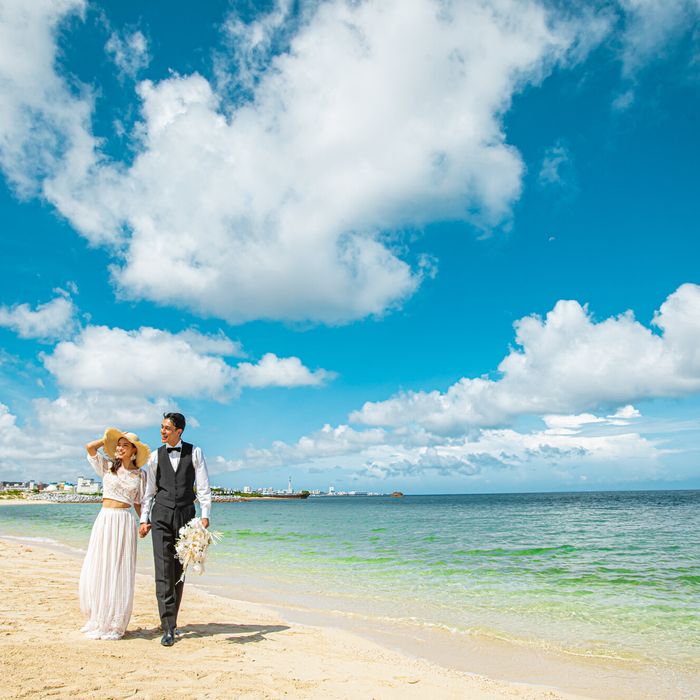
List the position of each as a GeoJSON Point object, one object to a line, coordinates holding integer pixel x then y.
{"type": "Point", "coordinates": [238, 634]}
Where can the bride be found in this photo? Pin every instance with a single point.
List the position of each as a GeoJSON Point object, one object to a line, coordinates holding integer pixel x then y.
{"type": "Point", "coordinates": [109, 569]}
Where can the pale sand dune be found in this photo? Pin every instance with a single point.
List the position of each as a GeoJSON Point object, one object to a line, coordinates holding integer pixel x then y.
{"type": "Point", "coordinates": [228, 649]}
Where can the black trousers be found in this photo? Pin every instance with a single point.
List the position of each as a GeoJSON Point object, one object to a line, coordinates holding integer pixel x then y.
{"type": "Point", "coordinates": [165, 526]}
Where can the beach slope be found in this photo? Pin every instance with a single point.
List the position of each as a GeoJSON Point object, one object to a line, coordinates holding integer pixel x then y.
{"type": "Point", "coordinates": [227, 649]}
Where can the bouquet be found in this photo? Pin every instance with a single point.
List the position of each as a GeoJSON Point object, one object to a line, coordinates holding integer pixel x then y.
{"type": "Point", "coordinates": [192, 544]}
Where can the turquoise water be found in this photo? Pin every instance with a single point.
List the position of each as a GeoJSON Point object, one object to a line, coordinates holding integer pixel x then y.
{"type": "Point", "coordinates": [611, 575]}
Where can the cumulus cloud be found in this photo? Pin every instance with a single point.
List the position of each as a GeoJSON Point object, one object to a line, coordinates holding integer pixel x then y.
{"type": "Point", "coordinates": [143, 362]}
{"type": "Point", "coordinates": [565, 363]}
{"type": "Point", "coordinates": [152, 362]}
{"type": "Point", "coordinates": [50, 452]}
{"type": "Point", "coordinates": [381, 454]}
{"type": "Point", "coordinates": [129, 51]}
{"type": "Point", "coordinates": [90, 412]}
{"type": "Point", "coordinates": [379, 116]}
{"type": "Point", "coordinates": [280, 372]}
{"type": "Point", "coordinates": [49, 321]}
{"type": "Point", "coordinates": [51, 446]}
{"type": "Point", "coordinates": [44, 126]}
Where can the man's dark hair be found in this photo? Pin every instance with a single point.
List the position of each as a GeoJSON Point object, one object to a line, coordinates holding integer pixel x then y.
{"type": "Point", "coordinates": [177, 418]}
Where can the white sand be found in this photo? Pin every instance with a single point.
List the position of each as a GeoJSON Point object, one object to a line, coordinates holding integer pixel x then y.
{"type": "Point", "coordinates": [228, 649]}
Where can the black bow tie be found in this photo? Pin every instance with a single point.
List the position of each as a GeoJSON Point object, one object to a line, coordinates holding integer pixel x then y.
{"type": "Point", "coordinates": [173, 449]}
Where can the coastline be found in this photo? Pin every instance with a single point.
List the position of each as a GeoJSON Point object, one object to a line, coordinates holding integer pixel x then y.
{"type": "Point", "coordinates": [72, 499]}
{"type": "Point", "coordinates": [228, 648]}
{"type": "Point", "coordinates": [267, 566]}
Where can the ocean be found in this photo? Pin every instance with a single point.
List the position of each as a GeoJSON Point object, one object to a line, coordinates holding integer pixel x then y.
{"type": "Point", "coordinates": [610, 576]}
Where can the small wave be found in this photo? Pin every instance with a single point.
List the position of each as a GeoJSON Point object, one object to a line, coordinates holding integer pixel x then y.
{"type": "Point", "coordinates": [502, 552]}
{"type": "Point", "coordinates": [26, 538]}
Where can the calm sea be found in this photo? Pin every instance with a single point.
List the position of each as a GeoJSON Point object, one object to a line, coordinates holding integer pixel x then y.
{"type": "Point", "coordinates": [610, 575]}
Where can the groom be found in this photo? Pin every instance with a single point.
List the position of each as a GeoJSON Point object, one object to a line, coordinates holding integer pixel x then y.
{"type": "Point", "coordinates": [174, 470]}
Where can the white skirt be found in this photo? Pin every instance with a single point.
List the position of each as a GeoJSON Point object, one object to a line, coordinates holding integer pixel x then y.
{"type": "Point", "coordinates": [108, 574]}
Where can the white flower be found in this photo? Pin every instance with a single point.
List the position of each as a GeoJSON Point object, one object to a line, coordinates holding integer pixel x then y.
{"type": "Point", "coordinates": [191, 547]}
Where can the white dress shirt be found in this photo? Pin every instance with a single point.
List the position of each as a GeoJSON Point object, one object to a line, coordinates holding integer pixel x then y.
{"type": "Point", "coordinates": [201, 480]}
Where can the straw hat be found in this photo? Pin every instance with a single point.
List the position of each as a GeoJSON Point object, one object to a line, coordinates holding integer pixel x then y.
{"type": "Point", "coordinates": [111, 439]}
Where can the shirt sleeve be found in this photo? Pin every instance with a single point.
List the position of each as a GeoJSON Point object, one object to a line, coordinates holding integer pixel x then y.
{"type": "Point", "coordinates": [202, 481]}
{"type": "Point", "coordinates": [99, 463]}
{"type": "Point", "coordinates": [149, 491]}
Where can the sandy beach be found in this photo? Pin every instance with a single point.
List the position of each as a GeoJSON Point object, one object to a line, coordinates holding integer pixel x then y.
{"type": "Point", "coordinates": [227, 649]}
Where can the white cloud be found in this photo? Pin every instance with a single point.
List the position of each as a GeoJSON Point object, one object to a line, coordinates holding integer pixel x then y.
{"type": "Point", "coordinates": [209, 344]}
{"type": "Point", "coordinates": [51, 447]}
{"type": "Point", "coordinates": [129, 51]}
{"type": "Point", "coordinates": [649, 27]}
{"type": "Point", "coordinates": [44, 127]}
{"type": "Point", "coordinates": [249, 46]}
{"type": "Point", "coordinates": [279, 371]}
{"type": "Point", "coordinates": [143, 362]}
{"type": "Point", "coordinates": [569, 424]}
{"type": "Point", "coordinates": [381, 454]}
{"type": "Point", "coordinates": [52, 320]}
{"type": "Point", "coordinates": [381, 116]}
{"type": "Point", "coordinates": [557, 166]}
{"type": "Point", "coordinates": [91, 412]}
{"type": "Point", "coordinates": [563, 364]}
{"type": "Point", "coordinates": [149, 362]}
{"type": "Point", "coordinates": [624, 100]}
{"type": "Point", "coordinates": [32, 453]}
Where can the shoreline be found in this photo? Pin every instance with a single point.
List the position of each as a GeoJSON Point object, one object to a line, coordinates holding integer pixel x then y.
{"type": "Point", "coordinates": [510, 661]}
{"type": "Point", "coordinates": [280, 591]}
{"type": "Point", "coordinates": [77, 499]}
{"type": "Point", "coordinates": [228, 648]}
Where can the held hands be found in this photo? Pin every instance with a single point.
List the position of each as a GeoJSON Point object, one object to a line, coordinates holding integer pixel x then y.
{"type": "Point", "coordinates": [145, 528]}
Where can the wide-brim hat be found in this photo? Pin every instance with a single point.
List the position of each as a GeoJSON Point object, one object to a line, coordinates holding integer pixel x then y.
{"type": "Point", "coordinates": [111, 438]}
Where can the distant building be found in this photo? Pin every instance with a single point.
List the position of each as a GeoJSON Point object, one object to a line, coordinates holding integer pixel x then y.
{"type": "Point", "coordinates": [88, 486]}
{"type": "Point", "coordinates": [289, 485]}
{"type": "Point", "coordinates": [13, 486]}
{"type": "Point", "coordinates": [247, 489]}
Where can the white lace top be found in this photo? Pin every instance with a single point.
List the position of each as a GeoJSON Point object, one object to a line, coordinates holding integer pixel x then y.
{"type": "Point", "coordinates": [126, 486]}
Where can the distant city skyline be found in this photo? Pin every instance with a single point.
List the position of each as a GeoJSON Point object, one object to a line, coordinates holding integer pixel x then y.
{"type": "Point", "coordinates": [381, 245]}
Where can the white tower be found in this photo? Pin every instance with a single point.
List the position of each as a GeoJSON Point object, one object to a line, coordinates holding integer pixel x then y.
{"type": "Point", "coordinates": [289, 486]}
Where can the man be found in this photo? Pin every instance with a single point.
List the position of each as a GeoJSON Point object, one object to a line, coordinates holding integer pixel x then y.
{"type": "Point", "coordinates": [173, 472]}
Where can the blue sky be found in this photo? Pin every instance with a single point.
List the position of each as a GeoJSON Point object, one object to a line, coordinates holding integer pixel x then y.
{"type": "Point", "coordinates": [417, 245]}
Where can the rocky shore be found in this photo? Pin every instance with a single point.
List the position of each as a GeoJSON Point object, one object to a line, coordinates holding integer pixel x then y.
{"type": "Point", "coordinates": [57, 497]}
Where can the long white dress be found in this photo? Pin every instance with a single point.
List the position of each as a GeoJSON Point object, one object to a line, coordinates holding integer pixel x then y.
{"type": "Point", "coordinates": [109, 569]}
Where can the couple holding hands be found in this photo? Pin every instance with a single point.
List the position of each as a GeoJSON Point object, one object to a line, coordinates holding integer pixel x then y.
{"type": "Point", "coordinates": [163, 496]}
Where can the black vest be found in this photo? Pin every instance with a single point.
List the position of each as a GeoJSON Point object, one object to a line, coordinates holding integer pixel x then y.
{"type": "Point", "coordinates": [175, 488]}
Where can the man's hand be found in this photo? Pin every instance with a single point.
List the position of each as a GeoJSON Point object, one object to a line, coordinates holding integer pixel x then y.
{"type": "Point", "coordinates": [144, 529]}
{"type": "Point", "coordinates": [205, 522]}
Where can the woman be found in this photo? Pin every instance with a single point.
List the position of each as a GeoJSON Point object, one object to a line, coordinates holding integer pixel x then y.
{"type": "Point", "coordinates": [109, 570]}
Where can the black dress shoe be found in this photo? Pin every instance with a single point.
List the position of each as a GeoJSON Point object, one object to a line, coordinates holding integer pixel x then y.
{"type": "Point", "coordinates": [168, 638]}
